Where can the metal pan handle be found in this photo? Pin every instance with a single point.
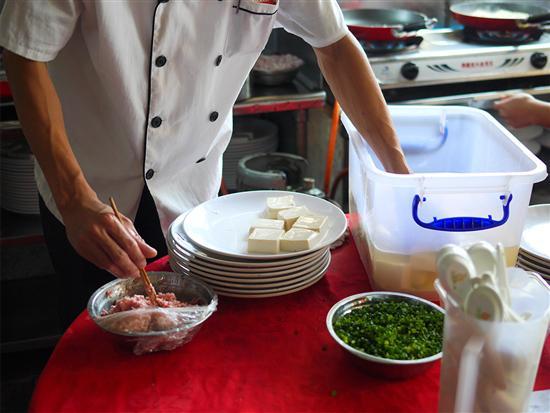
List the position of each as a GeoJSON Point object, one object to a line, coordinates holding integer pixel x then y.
{"type": "Point", "coordinates": [538, 18]}
{"type": "Point", "coordinates": [426, 24]}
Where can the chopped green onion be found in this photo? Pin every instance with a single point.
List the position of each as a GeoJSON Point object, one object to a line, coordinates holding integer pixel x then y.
{"type": "Point", "coordinates": [391, 329]}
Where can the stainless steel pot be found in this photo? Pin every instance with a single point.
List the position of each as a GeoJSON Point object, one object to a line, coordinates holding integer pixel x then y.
{"type": "Point", "coordinates": [246, 90]}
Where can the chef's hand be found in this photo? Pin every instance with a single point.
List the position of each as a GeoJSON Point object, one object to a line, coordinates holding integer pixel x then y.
{"type": "Point", "coordinates": [96, 234]}
{"type": "Point", "coordinates": [521, 110]}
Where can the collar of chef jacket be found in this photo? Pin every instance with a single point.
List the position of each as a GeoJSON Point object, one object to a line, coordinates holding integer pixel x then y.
{"type": "Point", "coordinates": [147, 87]}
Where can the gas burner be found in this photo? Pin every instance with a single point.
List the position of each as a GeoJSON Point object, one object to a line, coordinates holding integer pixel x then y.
{"type": "Point", "coordinates": [497, 37]}
{"type": "Point", "coordinates": [390, 46]}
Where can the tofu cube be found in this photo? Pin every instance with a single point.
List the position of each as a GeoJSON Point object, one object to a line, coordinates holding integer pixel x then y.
{"type": "Point", "coordinates": [298, 239]}
{"type": "Point", "coordinates": [277, 204]}
{"type": "Point", "coordinates": [265, 240]}
{"type": "Point", "coordinates": [289, 216]}
{"type": "Point", "coordinates": [267, 224]}
{"type": "Point", "coordinates": [312, 222]}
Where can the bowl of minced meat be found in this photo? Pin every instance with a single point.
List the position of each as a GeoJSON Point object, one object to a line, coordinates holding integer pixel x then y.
{"type": "Point", "coordinates": [394, 335]}
{"type": "Point", "coordinates": [122, 309]}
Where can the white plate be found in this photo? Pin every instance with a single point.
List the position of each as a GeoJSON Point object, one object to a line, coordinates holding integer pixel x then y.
{"type": "Point", "coordinates": [527, 133]}
{"type": "Point", "coordinates": [221, 225]}
{"type": "Point", "coordinates": [251, 273]}
{"type": "Point", "coordinates": [178, 242]}
{"type": "Point", "coordinates": [227, 293]}
{"type": "Point", "coordinates": [182, 246]}
{"type": "Point", "coordinates": [544, 140]}
{"type": "Point", "coordinates": [534, 267]}
{"type": "Point", "coordinates": [533, 146]}
{"type": "Point", "coordinates": [257, 278]}
{"type": "Point", "coordinates": [186, 260]}
{"type": "Point", "coordinates": [527, 268]}
{"type": "Point", "coordinates": [535, 239]}
{"type": "Point", "coordinates": [270, 292]}
{"type": "Point", "coordinates": [260, 284]}
{"type": "Point", "coordinates": [534, 259]}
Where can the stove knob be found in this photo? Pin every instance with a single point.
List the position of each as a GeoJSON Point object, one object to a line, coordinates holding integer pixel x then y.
{"type": "Point", "coordinates": [409, 71]}
{"type": "Point", "coordinates": [539, 60]}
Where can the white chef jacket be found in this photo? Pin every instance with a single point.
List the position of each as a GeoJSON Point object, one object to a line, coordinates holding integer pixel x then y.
{"type": "Point", "coordinates": [147, 87]}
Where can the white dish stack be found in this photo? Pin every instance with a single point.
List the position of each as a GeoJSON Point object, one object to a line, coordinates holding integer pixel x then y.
{"type": "Point", "coordinates": [530, 136]}
{"type": "Point", "coordinates": [19, 193]}
{"type": "Point", "coordinates": [534, 251]}
{"type": "Point", "coordinates": [250, 136]}
{"type": "Point", "coordinates": [209, 243]}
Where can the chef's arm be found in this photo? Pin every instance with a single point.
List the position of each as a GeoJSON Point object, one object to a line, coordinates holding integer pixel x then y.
{"type": "Point", "coordinates": [351, 79]}
{"type": "Point", "coordinates": [91, 225]}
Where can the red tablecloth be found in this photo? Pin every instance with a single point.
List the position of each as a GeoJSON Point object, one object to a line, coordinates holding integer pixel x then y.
{"type": "Point", "coordinates": [252, 355]}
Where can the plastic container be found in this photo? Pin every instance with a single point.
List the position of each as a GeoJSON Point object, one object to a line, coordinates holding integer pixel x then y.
{"type": "Point", "coordinates": [491, 366]}
{"type": "Point", "coordinates": [472, 181]}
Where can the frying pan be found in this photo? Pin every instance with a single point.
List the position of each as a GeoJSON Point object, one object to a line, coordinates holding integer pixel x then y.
{"type": "Point", "coordinates": [385, 24]}
{"type": "Point", "coordinates": [485, 15]}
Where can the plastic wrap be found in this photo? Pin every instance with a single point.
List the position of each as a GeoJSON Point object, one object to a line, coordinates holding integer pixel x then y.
{"type": "Point", "coordinates": [160, 328]}
{"type": "Point", "coordinates": [149, 328]}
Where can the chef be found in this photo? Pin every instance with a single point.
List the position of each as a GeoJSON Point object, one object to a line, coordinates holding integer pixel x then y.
{"type": "Point", "coordinates": [133, 99]}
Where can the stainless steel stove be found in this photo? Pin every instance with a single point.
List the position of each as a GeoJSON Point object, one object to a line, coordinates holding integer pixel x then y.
{"type": "Point", "coordinates": [445, 65]}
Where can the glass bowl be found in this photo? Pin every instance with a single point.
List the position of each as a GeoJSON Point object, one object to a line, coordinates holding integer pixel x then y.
{"type": "Point", "coordinates": [184, 322]}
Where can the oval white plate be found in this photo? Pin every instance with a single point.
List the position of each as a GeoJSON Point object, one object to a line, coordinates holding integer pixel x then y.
{"type": "Point", "coordinates": [270, 293]}
{"type": "Point", "coordinates": [527, 133]}
{"type": "Point", "coordinates": [535, 239]}
{"type": "Point", "coordinates": [221, 225]}
{"type": "Point", "coordinates": [186, 249]}
{"type": "Point", "coordinates": [544, 140]}
{"type": "Point", "coordinates": [246, 272]}
{"type": "Point", "coordinates": [526, 268]}
{"type": "Point", "coordinates": [533, 258]}
{"type": "Point", "coordinates": [260, 279]}
{"type": "Point", "coordinates": [534, 267]}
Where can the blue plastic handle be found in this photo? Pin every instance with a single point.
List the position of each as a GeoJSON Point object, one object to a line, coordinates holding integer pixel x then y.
{"type": "Point", "coordinates": [462, 224]}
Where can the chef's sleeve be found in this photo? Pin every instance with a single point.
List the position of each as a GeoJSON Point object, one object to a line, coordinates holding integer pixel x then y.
{"type": "Point", "coordinates": [38, 29]}
{"type": "Point", "coordinates": [319, 22]}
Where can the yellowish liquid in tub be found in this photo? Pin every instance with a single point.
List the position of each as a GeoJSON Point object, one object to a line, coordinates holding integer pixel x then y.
{"type": "Point", "coordinates": [414, 273]}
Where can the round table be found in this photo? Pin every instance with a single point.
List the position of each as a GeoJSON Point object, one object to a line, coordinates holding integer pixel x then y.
{"type": "Point", "coordinates": [253, 355]}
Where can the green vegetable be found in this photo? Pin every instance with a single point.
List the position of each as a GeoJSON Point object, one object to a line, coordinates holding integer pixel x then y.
{"type": "Point", "coordinates": [399, 330]}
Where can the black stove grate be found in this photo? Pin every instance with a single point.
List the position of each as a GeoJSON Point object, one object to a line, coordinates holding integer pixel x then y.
{"type": "Point", "coordinates": [498, 37]}
{"type": "Point", "coordinates": [390, 46]}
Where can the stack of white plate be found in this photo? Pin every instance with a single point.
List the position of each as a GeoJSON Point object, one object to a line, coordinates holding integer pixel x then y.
{"type": "Point", "coordinates": [19, 193]}
{"type": "Point", "coordinates": [534, 251]}
{"type": "Point", "coordinates": [544, 139]}
{"type": "Point", "coordinates": [529, 136]}
{"type": "Point", "coordinates": [250, 136]}
{"type": "Point", "coordinates": [210, 243]}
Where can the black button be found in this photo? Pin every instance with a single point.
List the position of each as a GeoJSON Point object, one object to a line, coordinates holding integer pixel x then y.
{"type": "Point", "coordinates": [201, 160]}
{"type": "Point", "coordinates": [149, 174]}
{"type": "Point", "coordinates": [213, 116]}
{"type": "Point", "coordinates": [160, 61]}
{"type": "Point", "coordinates": [156, 122]}
{"type": "Point", "coordinates": [218, 60]}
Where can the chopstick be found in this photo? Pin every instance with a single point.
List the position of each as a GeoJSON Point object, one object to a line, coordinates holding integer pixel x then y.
{"type": "Point", "coordinates": [149, 289]}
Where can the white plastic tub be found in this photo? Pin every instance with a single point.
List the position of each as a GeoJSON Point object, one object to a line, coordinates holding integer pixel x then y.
{"type": "Point", "coordinates": [466, 166]}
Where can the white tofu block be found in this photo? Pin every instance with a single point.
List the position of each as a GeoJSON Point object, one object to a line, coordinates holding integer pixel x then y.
{"type": "Point", "coordinates": [312, 222]}
{"type": "Point", "coordinates": [297, 239]}
{"type": "Point", "coordinates": [265, 240]}
{"type": "Point", "coordinates": [267, 224]}
{"type": "Point", "coordinates": [289, 216]}
{"type": "Point", "coordinates": [277, 204]}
